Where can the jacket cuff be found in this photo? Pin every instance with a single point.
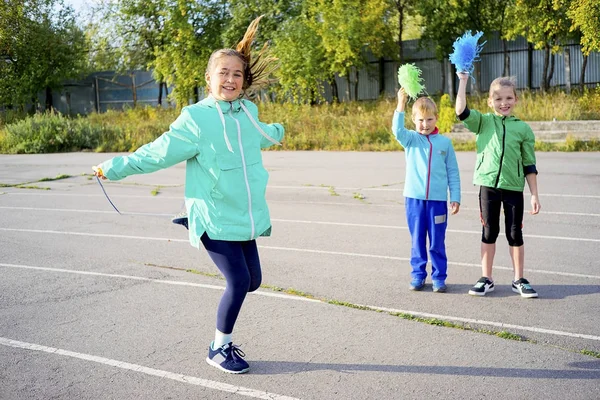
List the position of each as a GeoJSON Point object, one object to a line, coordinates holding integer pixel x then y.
{"type": "Point", "coordinates": [530, 169]}
{"type": "Point", "coordinates": [465, 114]}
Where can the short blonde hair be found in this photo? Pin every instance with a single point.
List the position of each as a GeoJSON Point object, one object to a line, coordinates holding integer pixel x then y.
{"type": "Point", "coordinates": [424, 105]}
{"type": "Point", "coordinates": [503, 81]}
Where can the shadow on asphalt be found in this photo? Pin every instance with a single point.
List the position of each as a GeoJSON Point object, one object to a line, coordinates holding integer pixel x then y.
{"type": "Point", "coordinates": [591, 370]}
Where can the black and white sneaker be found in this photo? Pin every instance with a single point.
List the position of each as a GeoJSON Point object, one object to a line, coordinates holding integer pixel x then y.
{"type": "Point", "coordinates": [523, 287]}
{"type": "Point", "coordinates": [483, 286]}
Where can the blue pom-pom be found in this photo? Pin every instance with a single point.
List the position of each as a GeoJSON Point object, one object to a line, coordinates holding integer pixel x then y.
{"type": "Point", "coordinates": [466, 51]}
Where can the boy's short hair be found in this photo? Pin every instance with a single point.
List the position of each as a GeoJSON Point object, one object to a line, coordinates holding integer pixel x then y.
{"type": "Point", "coordinates": [503, 81]}
{"type": "Point", "coordinates": [425, 106]}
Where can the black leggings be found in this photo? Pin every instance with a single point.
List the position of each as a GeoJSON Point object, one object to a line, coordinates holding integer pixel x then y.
{"type": "Point", "coordinates": [240, 265]}
{"type": "Point", "coordinates": [490, 201]}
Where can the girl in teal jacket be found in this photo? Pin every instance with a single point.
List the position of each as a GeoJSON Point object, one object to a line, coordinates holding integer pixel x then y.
{"type": "Point", "coordinates": [220, 138]}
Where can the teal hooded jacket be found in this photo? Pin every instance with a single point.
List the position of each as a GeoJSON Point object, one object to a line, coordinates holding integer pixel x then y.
{"type": "Point", "coordinates": [225, 183]}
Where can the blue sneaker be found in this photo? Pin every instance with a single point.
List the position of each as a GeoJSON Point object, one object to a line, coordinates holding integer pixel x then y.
{"type": "Point", "coordinates": [181, 219]}
{"type": "Point", "coordinates": [227, 358]}
{"type": "Point", "coordinates": [439, 287]}
{"type": "Point", "coordinates": [417, 284]}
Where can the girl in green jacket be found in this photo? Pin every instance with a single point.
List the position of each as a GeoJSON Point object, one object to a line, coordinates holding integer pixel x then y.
{"type": "Point", "coordinates": [505, 160]}
{"type": "Point", "coordinates": [220, 139]}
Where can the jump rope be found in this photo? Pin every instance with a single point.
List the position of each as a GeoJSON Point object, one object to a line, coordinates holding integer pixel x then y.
{"type": "Point", "coordinates": [99, 173]}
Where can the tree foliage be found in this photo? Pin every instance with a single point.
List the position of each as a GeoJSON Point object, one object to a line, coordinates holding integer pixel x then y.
{"type": "Point", "coordinates": [40, 47]}
{"type": "Point", "coordinates": [585, 17]}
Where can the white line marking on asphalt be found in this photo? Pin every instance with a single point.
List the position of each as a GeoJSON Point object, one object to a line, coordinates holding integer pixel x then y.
{"type": "Point", "coordinates": [490, 323]}
{"type": "Point", "coordinates": [340, 253]}
{"type": "Point", "coordinates": [377, 189]}
{"type": "Point", "coordinates": [72, 210]}
{"type": "Point", "coordinates": [386, 189]}
{"type": "Point", "coordinates": [296, 221]}
{"type": "Point", "coordinates": [326, 203]}
{"type": "Point", "coordinates": [291, 297]}
{"type": "Point", "coordinates": [193, 380]}
{"type": "Point", "coordinates": [164, 281]}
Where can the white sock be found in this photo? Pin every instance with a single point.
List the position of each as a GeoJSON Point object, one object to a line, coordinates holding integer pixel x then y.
{"type": "Point", "coordinates": [221, 339]}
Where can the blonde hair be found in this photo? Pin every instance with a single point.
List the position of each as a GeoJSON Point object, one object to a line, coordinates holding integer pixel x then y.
{"type": "Point", "coordinates": [256, 69]}
{"type": "Point", "coordinates": [425, 106]}
{"type": "Point", "coordinates": [502, 82]}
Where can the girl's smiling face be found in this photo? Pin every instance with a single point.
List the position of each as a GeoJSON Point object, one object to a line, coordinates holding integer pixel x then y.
{"type": "Point", "coordinates": [226, 78]}
{"type": "Point", "coordinates": [503, 100]}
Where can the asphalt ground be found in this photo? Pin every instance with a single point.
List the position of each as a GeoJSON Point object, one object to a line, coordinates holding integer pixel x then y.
{"type": "Point", "coordinates": [97, 305]}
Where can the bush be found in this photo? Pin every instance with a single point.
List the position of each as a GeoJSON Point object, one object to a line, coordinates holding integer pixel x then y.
{"type": "Point", "coordinates": [447, 114]}
{"type": "Point", "coordinates": [49, 133]}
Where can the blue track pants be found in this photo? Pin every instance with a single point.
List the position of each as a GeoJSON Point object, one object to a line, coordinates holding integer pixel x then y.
{"type": "Point", "coordinates": [427, 219]}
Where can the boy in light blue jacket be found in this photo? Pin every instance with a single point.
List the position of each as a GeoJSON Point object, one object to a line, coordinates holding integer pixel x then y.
{"type": "Point", "coordinates": [220, 139]}
{"type": "Point", "coordinates": [431, 171]}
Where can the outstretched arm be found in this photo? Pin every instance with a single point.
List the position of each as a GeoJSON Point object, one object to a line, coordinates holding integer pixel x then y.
{"type": "Point", "coordinates": [402, 99]}
{"type": "Point", "coordinates": [461, 96]}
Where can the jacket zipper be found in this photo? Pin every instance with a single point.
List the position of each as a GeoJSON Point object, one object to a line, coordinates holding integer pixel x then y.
{"type": "Point", "coordinates": [244, 168]}
{"type": "Point", "coordinates": [429, 168]}
{"type": "Point", "coordinates": [501, 154]}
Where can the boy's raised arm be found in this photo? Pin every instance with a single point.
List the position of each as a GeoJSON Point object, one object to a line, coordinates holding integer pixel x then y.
{"type": "Point", "coordinates": [402, 99]}
{"type": "Point", "coordinates": [461, 96]}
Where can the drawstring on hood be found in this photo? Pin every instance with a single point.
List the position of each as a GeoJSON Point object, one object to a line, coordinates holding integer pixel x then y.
{"type": "Point", "coordinates": [222, 117]}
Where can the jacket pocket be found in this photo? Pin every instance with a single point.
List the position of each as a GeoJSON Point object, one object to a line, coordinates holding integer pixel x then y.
{"type": "Point", "coordinates": [480, 158]}
{"type": "Point", "coordinates": [229, 161]}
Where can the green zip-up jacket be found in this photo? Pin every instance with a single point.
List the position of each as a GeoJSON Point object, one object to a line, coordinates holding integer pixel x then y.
{"type": "Point", "coordinates": [225, 183]}
{"type": "Point", "coordinates": [505, 150]}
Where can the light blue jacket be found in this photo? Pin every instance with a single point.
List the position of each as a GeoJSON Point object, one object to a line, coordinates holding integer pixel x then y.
{"type": "Point", "coordinates": [431, 166]}
{"type": "Point", "coordinates": [225, 181]}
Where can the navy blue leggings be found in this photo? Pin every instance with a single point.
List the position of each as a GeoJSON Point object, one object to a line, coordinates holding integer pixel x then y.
{"type": "Point", "coordinates": [240, 265]}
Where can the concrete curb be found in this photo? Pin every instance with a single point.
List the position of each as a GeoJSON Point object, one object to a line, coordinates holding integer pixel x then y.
{"type": "Point", "coordinates": [545, 131]}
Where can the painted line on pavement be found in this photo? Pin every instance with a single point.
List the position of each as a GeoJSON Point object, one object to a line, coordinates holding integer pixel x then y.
{"type": "Point", "coordinates": [327, 252]}
{"type": "Point", "coordinates": [193, 380]}
{"type": "Point", "coordinates": [326, 203]}
{"type": "Point", "coordinates": [297, 221]}
{"type": "Point", "coordinates": [291, 297]}
{"type": "Point", "coordinates": [163, 281]}
{"type": "Point", "coordinates": [376, 189]}
{"type": "Point", "coordinates": [488, 323]}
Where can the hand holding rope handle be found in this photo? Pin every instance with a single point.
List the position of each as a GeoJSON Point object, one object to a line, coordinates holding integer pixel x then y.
{"type": "Point", "coordinates": [98, 172]}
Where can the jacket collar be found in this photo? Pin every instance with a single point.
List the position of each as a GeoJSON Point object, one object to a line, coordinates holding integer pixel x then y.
{"type": "Point", "coordinates": [434, 132]}
{"type": "Point", "coordinates": [225, 105]}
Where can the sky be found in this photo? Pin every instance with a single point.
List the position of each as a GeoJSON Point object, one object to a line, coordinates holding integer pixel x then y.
{"type": "Point", "coordinates": [80, 6]}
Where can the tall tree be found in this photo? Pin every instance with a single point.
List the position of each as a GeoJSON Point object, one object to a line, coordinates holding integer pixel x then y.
{"type": "Point", "coordinates": [403, 8]}
{"type": "Point", "coordinates": [40, 47]}
{"type": "Point", "coordinates": [303, 67]}
{"type": "Point", "coordinates": [276, 13]}
{"type": "Point", "coordinates": [347, 28]}
{"type": "Point", "coordinates": [544, 26]}
{"type": "Point", "coordinates": [585, 17]}
{"type": "Point", "coordinates": [192, 31]}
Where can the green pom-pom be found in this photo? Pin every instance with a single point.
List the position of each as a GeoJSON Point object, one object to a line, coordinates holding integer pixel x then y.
{"type": "Point", "coordinates": [409, 78]}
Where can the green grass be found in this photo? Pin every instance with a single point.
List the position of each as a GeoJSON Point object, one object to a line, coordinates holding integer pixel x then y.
{"type": "Point", "coordinates": [155, 191]}
{"type": "Point", "coordinates": [590, 353]}
{"type": "Point", "coordinates": [56, 178]}
{"type": "Point", "coordinates": [355, 126]}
